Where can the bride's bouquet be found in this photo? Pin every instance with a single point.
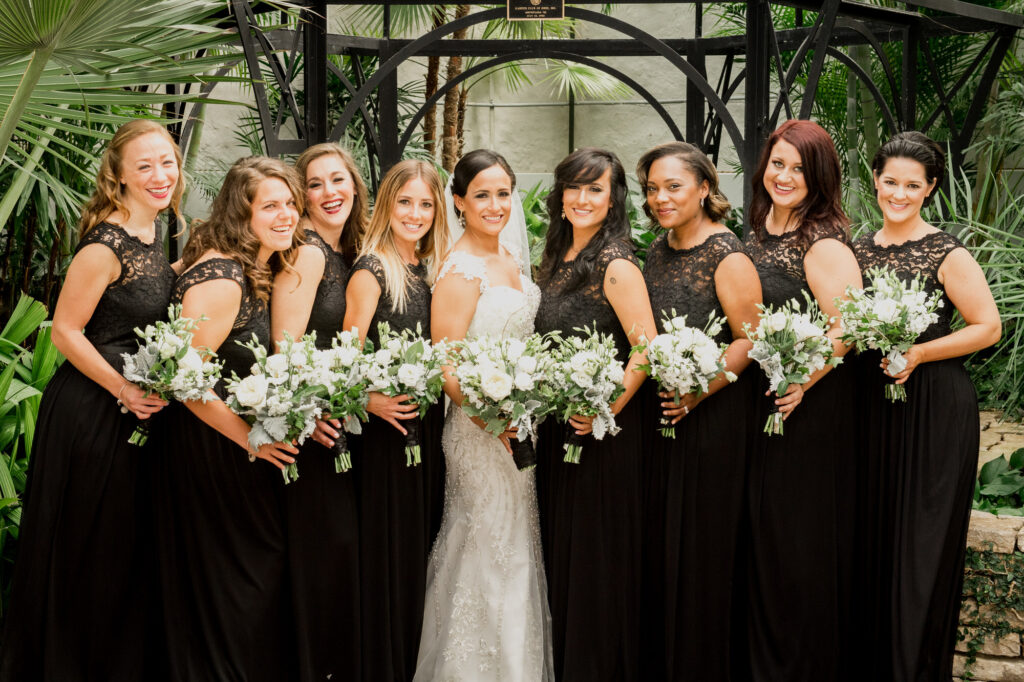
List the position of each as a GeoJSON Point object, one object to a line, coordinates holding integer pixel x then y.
{"type": "Point", "coordinates": [408, 364]}
{"type": "Point", "coordinates": [684, 359]}
{"type": "Point", "coordinates": [343, 367]}
{"type": "Point", "coordinates": [167, 365]}
{"type": "Point", "coordinates": [500, 380]}
{"type": "Point", "coordinates": [282, 397]}
{"type": "Point", "coordinates": [888, 315]}
{"type": "Point", "coordinates": [790, 345]}
{"type": "Point", "coordinates": [586, 378]}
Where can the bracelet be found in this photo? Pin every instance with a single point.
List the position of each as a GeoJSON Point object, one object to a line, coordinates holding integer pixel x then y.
{"type": "Point", "coordinates": [252, 453]}
{"type": "Point", "coordinates": [124, 410]}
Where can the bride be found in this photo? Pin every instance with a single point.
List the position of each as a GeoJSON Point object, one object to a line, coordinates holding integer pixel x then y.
{"type": "Point", "coordinates": [486, 614]}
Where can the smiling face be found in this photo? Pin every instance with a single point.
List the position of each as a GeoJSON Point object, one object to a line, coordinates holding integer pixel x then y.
{"type": "Point", "coordinates": [902, 188]}
{"type": "Point", "coordinates": [413, 212]}
{"type": "Point", "coordinates": [784, 177]}
{"type": "Point", "coordinates": [673, 194]}
{"type": "Point", "coordinates": [329, 192]}
{"type": "Point", "coordinates": [488, 201]}
{"type": "Point", "coordinates": [149, 174]}
{"type": "Point", "coordinates": [586, 204]}
{"type": "Point", "coordinates": [274, 217]}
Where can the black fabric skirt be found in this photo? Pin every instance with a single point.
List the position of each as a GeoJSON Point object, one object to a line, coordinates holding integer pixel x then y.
{"type": "Point", "coordinates": [322, 529]}
{"type": "Point", "coordinates": [82, 593]}
{"type": "Point", "coordinates": [795, 572]}
{"type": "Point", "coordinates": [919, 484]}
{"type": "Point", "coordinates": [222, 549]}
{"type": "Point", "coordinates": [395, 510]}
{"type": "Point", "coordinates": [693, 507]}
{"type": "Point", "coordinates": [591, 535]}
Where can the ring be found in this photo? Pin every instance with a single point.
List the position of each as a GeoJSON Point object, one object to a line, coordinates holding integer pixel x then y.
{"type": "Point", "coordinates": [686, 410]}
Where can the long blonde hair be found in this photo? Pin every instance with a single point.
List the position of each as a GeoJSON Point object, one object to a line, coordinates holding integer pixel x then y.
{"type": "Point", "coordinates": [355, 226]}
{"type": "Point", "coordinates": [108, 196]}
{"type": "Point", "coordinates": [228, 229]}
{"type": "Point", "coordinates": [380, 240]}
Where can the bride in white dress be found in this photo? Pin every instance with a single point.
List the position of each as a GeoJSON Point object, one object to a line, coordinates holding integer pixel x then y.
{"type": "Point", "coordinates": [486, 614]}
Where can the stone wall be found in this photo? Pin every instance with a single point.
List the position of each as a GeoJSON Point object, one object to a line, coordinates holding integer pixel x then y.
{"type": "Point", "coordinates": [999, 658]}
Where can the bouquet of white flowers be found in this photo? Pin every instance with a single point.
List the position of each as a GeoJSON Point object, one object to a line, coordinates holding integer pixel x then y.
{"type": "Point", "coordinates": [343, 367]}
{"type": "Point", "coordinates": [408, 364]}
{"type": "Point", "coordinates": [500, 379]}
{"type": "Point", "coordinates": [283, 395]}
{"type": "Point", "coordinates": [888, 315]}
{"type": "Point", "coordinates": [586, 379]}
{"type": "Point", "coordinates": [684, 359]}
{"type": "Point", "coordinates": [167, 365]}
{"type": "Point", "coordinates": [790, 345]}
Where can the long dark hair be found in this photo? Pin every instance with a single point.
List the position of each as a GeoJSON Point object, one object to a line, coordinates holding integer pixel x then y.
{"type": "Point", "coordinates": [581, 167]}
{"type": "Point", "coordinates": [822, 209]}
{"type": "Point", "coordinates": [916, 146]}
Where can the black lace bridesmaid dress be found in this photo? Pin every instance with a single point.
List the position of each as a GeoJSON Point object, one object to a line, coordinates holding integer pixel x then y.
{"type": "Point", "coordinates": [321, 522]}
{"type": "Point", "coordinates": [82, 589]}
{"type": "Point", "coordinates": [799, 491]}
{"type": "Point", "coordinates": [920, 459]}
{"type": "Point", "coordinates": [397, 506]}
{"type": "Point", "coordinates": [590, 512]}
{"type": "Point", "coordinates": [693, 488]}
{"type": "Point", "coordinates": [221, 529]}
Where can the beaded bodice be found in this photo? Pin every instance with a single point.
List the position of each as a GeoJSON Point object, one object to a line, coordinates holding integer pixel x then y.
{"type": "Point", "coordinates": [501, 311]}
{"type": "Point", "coordinates": [328, 312]}
{"type": "Point", "coordinates": [922, 257]}
{"type": "Point", "coordinates": [253, 315]}
{"type": "Point", "coordinates": [779, 260]}
{"type": "Point", "coordinates": [586, 305]}
{"type": "Point", "coordinates": [683, 280]}
{"type": "Point", "coordinates": [417, 300]}
{"type": "Point", "coordinates": [140, 294]}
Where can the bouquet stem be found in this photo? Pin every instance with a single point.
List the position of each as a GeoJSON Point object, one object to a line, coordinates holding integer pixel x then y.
{"type": "Point", "coordinates": [573, 445]}
{"type": "Point", "coordinates": [342, 457]}
{"type": "Point", "coordinates": [523, 453]}
{"type": "Point", "coordinates": [668, 429]}
{"type": "Point", "coordinates": [140, 435]}
{"type": "Point", "coordinates": [896, 393]}
{"type": "Point", "coordinates": [412, 441]}
{"type": "Point", "coordinates": [774, 424]}
{"type": "Point", "coordinates": [290, 472]}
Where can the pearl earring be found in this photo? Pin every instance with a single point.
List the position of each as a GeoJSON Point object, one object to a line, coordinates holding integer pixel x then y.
{"type": "Point", "coordinates": [563, 214]}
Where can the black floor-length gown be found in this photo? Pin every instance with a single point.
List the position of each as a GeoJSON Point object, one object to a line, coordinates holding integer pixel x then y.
{"type": "Point", "coordinates": [81, 592]}
{"type": "Point", "coordinates": [321, 521]}
{"type": "Point", "coordinates": [798, 486]}
{"type": "Point", "coordinates": [920, 462]}
{"type": "Point", "coordinates": [221, 529]}
{"type": "Point", "coordinates": [693, 488]}
{"type": "Point", "coordinates": [590, 512]}
{"type": "Point", "coordinates": [395, 508]}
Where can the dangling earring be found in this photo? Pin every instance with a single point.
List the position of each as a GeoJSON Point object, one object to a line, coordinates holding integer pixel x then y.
{"type": "Point", "coordinates": [702, 202]}
{"type": "Point", "coordinates": [563, 214]}
{"type": "Point", "coordinates": [462, 221]}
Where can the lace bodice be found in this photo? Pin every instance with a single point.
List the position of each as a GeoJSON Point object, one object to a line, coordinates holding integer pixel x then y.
{"type": "Point", "coordinates": [417, 300]}
{"type": "Point", "coordinates": [500, 310]}
{"type": "Point", "coordinates": [140, 294]}
{"type": "Point", "coordinates": [328, 314]}
{"type": "Point", "coordinates": [253, 316]}
{"type": "Point", "coordinates": [922, 257]}
{"type": "Point", "coordinates": [779, 260]}
{"type": "Point", "coordinates": [684, 279]}
{"type": "Point", "coordinates": [586, 305]}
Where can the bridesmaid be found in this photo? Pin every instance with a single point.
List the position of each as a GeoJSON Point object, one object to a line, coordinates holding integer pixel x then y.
{"type": "Point", "coordinates": [219, 511]}
{"type": "Point", "coordinates": [405, 242]}
{"type": "Point", "coordinates": [320, 507]}
{"type": "Point", "coordinates": [922, 454]}
{"type": "Point", "coordinates": [590, 512]}
{"type": "Point", "coordinates": [81, 593]}
{"type": "Point", "coordinates": [694, 484]}
{"type": "Point", "coordinates": [800, 482]}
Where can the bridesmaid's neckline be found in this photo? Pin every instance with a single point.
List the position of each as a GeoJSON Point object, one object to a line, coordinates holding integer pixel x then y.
{"type": "Point", "coordinates": [920, 239]}
{"type": "Point", "coordinates": [132, 236]}
{"type": "Point", "coordinates": [707, 240]}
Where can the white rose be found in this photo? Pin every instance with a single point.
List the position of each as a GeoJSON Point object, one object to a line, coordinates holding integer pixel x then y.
{"type": "Point", "coordinates": [191, 361]}
{"type": "Point", "coordinates": [495, 384]}
{"type": "Point", "coordinates": [410, 375]}
{"type": "Point", "coordinates": [515, 349]}
{"type": "Point", "coordinates": [527, 363]}
{"type": "Point", "coordinates": [382, 357]}
{"type": "Point", "coordinates": [805, 329]}
{"type": "Point", "coordinates": [345, 338]}
{"type": "Point", "coordinates": [277, 366]}
{"type": "Point", "coordinates": [583, 361]}
{"type": "Point", "coordinates": [524, 382]}
{"type": "Point", "coordinates": [395, 346]}
{"type": "Point", "coordinates": [346, 355]}
{"type": "Point", "coordinates": [774, 322]}
{"type": "Point", "coordinates": [252, 391]}
{"type": "Point", "coordinates": [615, 372]}
{"type": "Point", "coordinates": [685, 337]}
{"type": "Point", "coordinates": [168, 347]}
{"type": "Point", "coordinates": [887, 310]}
{"type": "Point", "coordinates": [298, 357]}
{"type": "Point", "coordinates": [708, 360]}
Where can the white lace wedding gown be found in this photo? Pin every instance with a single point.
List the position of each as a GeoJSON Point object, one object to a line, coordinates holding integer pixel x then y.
{"type": "Point", "coordinates": [486, 613]}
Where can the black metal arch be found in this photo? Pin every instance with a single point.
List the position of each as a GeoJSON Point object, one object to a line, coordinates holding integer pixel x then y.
{"type": "Point", "coordinates": [532, 54]}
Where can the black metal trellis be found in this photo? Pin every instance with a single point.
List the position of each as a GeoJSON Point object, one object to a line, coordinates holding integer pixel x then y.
{"type": "Point", "coordinates": [767, 85]}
